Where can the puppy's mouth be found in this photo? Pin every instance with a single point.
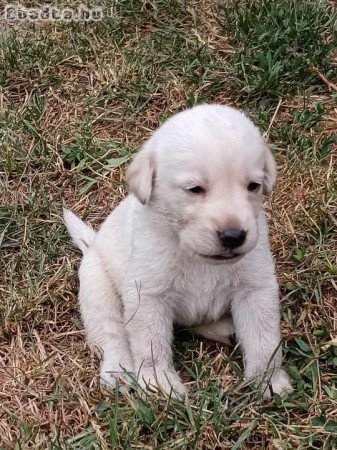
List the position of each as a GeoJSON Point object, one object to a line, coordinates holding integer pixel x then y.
{"type": "Point", "coordinates": [222, 257]}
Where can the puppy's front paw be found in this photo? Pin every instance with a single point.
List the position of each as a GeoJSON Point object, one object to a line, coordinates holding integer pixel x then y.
{"type": "Point", "coordinates": [166, 379]}
{"type": "Point", "coordinates": [116, 369]}
{"type": "Point", "coordinates": [279, 383]}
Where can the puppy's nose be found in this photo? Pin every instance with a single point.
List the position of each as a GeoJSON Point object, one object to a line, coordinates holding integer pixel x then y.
{"type": "Point", "coordinates": [232, 238]}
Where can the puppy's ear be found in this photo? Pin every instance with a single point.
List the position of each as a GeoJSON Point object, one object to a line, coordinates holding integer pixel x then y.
{"type": "Point", "coordinates": [270, 171]}
{"type": "Point", "coordinates": [140, 173]}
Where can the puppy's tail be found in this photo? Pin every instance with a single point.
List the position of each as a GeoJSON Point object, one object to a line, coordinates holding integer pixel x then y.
{"type": "Point", "coordinates": [81, 233]}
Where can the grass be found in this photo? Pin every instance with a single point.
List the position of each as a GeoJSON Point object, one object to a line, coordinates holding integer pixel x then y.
{"type": "Point", "coordinates": [76, 101]}
{"type": "Point", "coordinates": [278, 45]}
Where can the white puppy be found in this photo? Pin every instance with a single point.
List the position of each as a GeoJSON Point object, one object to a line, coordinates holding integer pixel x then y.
{"type": "Point", "coordinates": [188, 247]}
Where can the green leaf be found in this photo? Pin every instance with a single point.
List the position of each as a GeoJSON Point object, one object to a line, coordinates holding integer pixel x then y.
{"type": "Point", "coordinates": [243, 437]}
{"type": "Point", "coordinates": [298, 253]}
{"type": "Point", "coordinates": [331, 426]}
{"type": "Point", "coordinates": [325, 147]}
{"type": "Point", "coordinates": [331, 392]}
{"type": "Point", "coordinates": [113, 163]}
{"type": "Point", "coordinates": [320, 421]}
{"type": "Point", "coordinates": [146, 414]}
{"type": "Point", "coordinates": [317, 421]}
{"type": "Point", "coordinates": [294, 373]}
{"type": "Point", "coordinates": [29, 127]}
{"type": "Point", "coordinates": [101, 408]}
{"type": "Point", "coordinates": [303, 345]}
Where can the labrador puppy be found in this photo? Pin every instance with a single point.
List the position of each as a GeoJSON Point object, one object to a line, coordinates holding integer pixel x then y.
{"type": "Point", "coordinates": [188, 247]}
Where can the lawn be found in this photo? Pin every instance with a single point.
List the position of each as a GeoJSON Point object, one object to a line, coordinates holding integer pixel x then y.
{"type": "Point", "coordinates": [76, 101]}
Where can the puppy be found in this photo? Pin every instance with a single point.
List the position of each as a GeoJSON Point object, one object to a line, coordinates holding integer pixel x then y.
{"type": "Point", "coordinates": [189, 247]}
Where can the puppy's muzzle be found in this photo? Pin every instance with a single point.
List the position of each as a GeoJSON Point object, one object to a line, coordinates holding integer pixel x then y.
{"type": "Point", "coordinates": [232, 238]}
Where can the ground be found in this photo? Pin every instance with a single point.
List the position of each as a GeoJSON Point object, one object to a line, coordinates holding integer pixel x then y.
{"type": "Point", "coordinates": [76, 101]}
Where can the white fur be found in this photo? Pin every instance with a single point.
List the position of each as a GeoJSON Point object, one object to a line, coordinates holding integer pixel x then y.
{"type": "Point", "coordinates": [150, 267]}
{"type": "Point", "coordinates": [81, 233]}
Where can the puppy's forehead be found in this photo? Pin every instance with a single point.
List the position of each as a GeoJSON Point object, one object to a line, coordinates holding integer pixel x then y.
{"type": "Point", "coordinates": [209, 135]}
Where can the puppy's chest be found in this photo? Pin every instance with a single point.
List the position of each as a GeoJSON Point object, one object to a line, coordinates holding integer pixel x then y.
{"type": "Point", "coordinates": [200, 297]}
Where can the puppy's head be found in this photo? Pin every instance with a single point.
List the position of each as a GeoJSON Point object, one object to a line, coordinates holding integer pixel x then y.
{"type": "Point", "coordinates": [205, 171]}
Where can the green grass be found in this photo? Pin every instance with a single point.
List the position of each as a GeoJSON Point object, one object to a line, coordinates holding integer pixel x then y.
{"type": "Point", "coordinates": [77, 100]}
{"type": "Point", "coordinates": [278, 45]}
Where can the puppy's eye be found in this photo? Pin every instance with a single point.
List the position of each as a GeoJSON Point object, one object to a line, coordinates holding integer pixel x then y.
{"type": "Point", "coordinates": [253, 186]}
{"type": "Point", "coordinates": [197, 190]}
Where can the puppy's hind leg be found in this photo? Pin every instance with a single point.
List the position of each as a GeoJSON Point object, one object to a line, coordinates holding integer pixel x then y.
{"type": "Point", "coordinates": [102, 315]}
{"type": "Point", "coordinates": [219, 331]}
